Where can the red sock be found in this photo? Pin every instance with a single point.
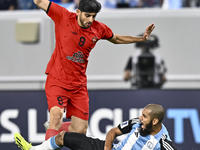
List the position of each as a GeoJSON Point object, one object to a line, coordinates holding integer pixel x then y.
{"type": "Point", "coordinates": [50, 133]}
{"type": "Point", "coordinates": [53, 132]}
{"type": "Point", "coordinates": [64, 127]}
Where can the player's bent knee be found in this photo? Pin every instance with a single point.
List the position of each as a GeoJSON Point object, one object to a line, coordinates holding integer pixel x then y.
{"type": "Point", "coordinates": [56, 110]}
{"type": "Point", "coordinates": [82, 130]}
{"type": "Point", "coordinates": [59, 138]}
{"type": "Point", "coordinates": [78, 129]}
{"type": "Point", "coordinates": [85, 129]}
{"type": "Point", "coordinates": [56, 115]}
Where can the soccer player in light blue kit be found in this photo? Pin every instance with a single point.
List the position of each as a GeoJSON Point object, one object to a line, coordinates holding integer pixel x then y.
{"type": "Point", "coordinates": [145, 133]}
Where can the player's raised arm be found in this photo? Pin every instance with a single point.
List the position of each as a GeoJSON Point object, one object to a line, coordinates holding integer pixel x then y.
{"type": "Point", "coordinates": [110, 137]}
{"type": "Point", "coordinates": [43, 4]}
{"type": "Point", "coordinates": [124, 39]}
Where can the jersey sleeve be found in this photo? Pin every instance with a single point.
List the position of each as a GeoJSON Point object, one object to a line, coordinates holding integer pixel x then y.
{"type": "Point", "coordinates": [106, 32]}
{"type": "Point", "coordinates": [126, 126]}
{"type": "Point", "coordinates": [166, 144]}
{"type": "Point", "coordinates": [56, 12]}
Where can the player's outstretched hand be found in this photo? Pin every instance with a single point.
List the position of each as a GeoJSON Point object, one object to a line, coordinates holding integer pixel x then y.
{"type": "Point", "coordinates": [148, 31]}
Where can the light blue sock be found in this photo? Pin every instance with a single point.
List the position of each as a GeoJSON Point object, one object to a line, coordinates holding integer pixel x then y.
{"type": "Point", "coordinates": [53, 143]}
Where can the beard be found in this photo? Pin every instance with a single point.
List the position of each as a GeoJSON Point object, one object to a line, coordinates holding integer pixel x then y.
{"type": "Point", "coordinates": [82, 23]}
{"type": "Point", "coordinates": [146, 131]}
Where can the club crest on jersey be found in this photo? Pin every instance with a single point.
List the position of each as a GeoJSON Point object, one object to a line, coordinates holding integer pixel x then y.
{"type": "Point", "coordinates": [149, 144]}
{"type": "Point", "coordinates": [77, 57]}
{"type": "Point", "coordinates": [94, 39]}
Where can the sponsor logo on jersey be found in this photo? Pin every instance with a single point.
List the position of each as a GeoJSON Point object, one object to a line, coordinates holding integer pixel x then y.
{"type": "Point", "coordinates": [135, 120]}
{"type": "Point", "coordinates": [94, 39]}
{"type": "Point", "coordinates": [137, 134]}
{"type": "Point", "coordinates": [73, 32]}
{"type": "Point", "coordinates": [124, 124]}
{"type": "Point", "coordinates": [77, 57]}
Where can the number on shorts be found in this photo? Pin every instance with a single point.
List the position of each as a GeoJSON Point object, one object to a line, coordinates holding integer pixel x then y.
{"type": "Point", "coordinates": [60, 100]}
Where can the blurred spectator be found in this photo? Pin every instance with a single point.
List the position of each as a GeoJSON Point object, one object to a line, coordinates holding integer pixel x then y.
{"type": "Point", "coordinates": [26, 5]}
{"type": "Point", "coordinates": [56, 1]}
{"type": "Point", "coordinates": [178, 4]}
{"type": "Point", "coordinates": [151, 3]}
{"type": "Point", "coordinates": [191, 3]}
{"type": "Point", "coordinates": [71, 5]}
{"type": "Point", "coordinates": [61, 1]}
{"type": "Point", "coordinates": [8, 4]}
{"type": "Point", "coordinates": [76, 2]}
{"type": "Point", "coordinates": [168, 4]}
{"type": "Point", "coordinates": [198, 3]}
{"type": "Point", "coordinates": [138, 3]}
{"type": "Point", "coordinates": [146, 69]}
{"type": "Point", "coordinates": [128, 3]}
{"type": "Point", "coordinates": [66, 1]}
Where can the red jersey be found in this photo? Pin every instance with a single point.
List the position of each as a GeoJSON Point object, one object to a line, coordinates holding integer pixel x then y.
{"type": "Point", "coordinates": [69, 60]}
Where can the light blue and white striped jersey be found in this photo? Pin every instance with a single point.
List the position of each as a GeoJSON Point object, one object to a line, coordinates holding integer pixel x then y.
{"type": "Point", "coordinates": [134, 141]}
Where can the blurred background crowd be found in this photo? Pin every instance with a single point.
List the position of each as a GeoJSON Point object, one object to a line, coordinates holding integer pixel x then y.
{"type": "Point", "coordinates": [165, 4]}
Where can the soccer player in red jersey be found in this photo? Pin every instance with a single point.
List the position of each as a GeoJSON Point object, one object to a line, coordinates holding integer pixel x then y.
{"type": "Point", "coordinates": [66, 85]}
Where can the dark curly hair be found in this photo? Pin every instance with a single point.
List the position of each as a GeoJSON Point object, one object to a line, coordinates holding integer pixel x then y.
{"type": "Point", "coordinates": [91, 6]}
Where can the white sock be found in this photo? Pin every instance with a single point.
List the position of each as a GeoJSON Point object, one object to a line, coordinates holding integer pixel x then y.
{"type": "Point", "coordinates": [46, 145]}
